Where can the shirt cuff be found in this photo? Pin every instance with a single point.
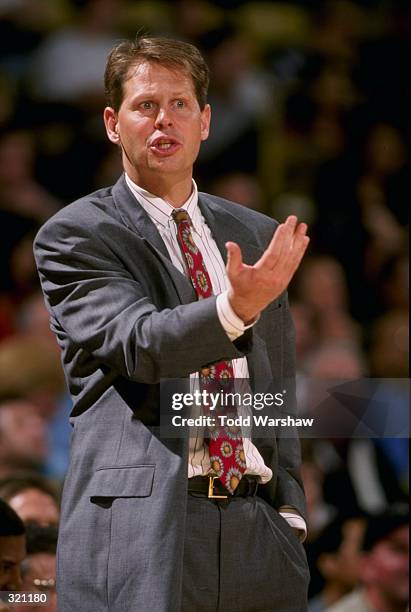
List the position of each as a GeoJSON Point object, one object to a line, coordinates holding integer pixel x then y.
{"type": "Point", "coordinates": [296, 522]}
{"type": "Point", "coordinates": [232, 324]}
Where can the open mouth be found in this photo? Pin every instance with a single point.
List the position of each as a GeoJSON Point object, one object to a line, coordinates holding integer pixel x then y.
{"type": "Point", "coordinates": [164, 145]}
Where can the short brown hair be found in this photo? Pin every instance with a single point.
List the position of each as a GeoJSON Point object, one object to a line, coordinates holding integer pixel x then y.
{"type": "Point", "coordinates": [15, 483]}
{"type": "Point", "coordinates": [164, 51]}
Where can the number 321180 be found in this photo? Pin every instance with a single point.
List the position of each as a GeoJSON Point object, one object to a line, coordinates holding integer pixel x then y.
{"type": "Point", "coordinates": [27, 598]}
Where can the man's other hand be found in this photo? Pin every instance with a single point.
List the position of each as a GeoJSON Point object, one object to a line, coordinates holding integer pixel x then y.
{"type": "Point", "coordinates": [253, 288]}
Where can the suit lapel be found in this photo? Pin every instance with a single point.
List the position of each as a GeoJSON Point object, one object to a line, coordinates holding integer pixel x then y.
{"type": "Point", "coordinates": [136, 219]}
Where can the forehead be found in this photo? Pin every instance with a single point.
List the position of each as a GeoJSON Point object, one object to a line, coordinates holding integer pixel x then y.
{"type": "Point", "coordinates": [153, 77]}
{"type": "Point", "coordinates": [32, 502]}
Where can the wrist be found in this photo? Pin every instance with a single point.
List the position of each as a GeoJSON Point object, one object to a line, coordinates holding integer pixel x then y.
{"type": "Point", "coordinates": [242, 309]}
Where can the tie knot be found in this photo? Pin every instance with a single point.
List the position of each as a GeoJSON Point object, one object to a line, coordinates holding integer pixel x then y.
{"type": "Point", "coordinates": [180, 215]}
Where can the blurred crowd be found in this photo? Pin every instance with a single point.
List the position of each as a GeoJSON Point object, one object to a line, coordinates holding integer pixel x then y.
{"type": "Point", "coordinates": [309, 116]}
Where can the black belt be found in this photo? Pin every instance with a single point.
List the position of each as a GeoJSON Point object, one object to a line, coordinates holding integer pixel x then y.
{"type": "Point", "coordinates": [211, 487]}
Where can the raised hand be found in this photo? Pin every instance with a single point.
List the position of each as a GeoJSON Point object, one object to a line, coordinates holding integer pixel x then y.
{"type": "Point", "coordinates": [254, 287]}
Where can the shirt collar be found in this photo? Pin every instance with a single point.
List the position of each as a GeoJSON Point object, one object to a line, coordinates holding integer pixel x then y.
{"type": "Point", "coordinates": [160, 211]}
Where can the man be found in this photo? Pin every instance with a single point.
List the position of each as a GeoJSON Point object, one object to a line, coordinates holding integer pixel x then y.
{"type": "Point", "coordinates": [384, 573]}
{"type": "Point", "coordinates": [137, 295]}
{"type": "Point", "coordinates": [12, 548]}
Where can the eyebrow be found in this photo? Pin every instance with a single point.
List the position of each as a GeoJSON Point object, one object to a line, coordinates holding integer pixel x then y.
{"type": "Point", "coordinates": [141, 97]}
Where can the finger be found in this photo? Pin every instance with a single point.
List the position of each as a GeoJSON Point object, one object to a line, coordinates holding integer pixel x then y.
{"type": "Point", "coordinates": [301, 229]}
{"type": "Point", "coordinates": [234, 258]}
{"type": "Point", "coordinates": [300, 255]}
{"type": "Point", "coordinates": [272, 252]}
{"type": "Point", "coordinates": [300, 241]}
{"type": "Point", "coordinates": [295, 256]}
{"type": "Point", "coordinates": [300, 246]}
{"type": "Point", "coordinates": [280, 244]}
{"type": "Point", "coordinates": [291, 221]}
{"type": "Point", "coordinates": [289, 233]}
{"type": "Point", "coordinates": [284, 241]}
{"type": "Point", "coordinates": [291, 246]}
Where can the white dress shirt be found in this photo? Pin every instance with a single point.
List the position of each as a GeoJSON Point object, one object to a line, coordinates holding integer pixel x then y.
{"type": "Point", "coordinates": [160, 212]}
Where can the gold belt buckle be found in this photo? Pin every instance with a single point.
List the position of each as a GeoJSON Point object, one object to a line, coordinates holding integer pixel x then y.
{"type": "Point", "coordinates": [211, 489]}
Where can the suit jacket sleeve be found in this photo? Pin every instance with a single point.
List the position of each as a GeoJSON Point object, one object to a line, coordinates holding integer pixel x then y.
{"type": "Point", "coordinates": [108, 312]}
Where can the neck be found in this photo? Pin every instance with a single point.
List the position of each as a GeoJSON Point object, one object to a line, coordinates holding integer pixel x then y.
{"type": "Point", "coordinates": [174, 190]}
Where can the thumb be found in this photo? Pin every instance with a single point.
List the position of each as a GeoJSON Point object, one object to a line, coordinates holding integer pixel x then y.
{"type": "Point", "coordinates": [234, 257]}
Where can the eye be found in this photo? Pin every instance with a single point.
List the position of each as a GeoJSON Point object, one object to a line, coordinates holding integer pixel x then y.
{"type": "Point", "coordinates": [180, 103]}
{"type": "Point", "coordinates": [147, 105]}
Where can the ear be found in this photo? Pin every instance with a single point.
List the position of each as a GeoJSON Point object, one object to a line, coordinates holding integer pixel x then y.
{"type": "Point", "coordinates": [205, 121]}
{"type": "Point", "coordinates": [111, 123]}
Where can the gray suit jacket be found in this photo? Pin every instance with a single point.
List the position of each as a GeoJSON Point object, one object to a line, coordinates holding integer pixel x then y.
{"type": "Point", "coordinates": [126, 318]}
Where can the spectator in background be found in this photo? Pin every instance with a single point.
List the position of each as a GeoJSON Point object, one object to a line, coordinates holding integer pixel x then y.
{"type": "Point", "coordinates": [335, 361]}
{"type": "Point", "coordinates": [39, 567]}
{"type": "Point", "coordinates": [306, 329]}
{"type": "Point", "coordinates": [322, 290]}
{"type": "Point", "coordinates": [370, 208]}
{"type": "Point", "coordinates": [338, 28]}
{"type": "Point", "coordinates": [32, 321]}
{"type": "Point", "coordinates": [321, 284]}
{"type": "Point", "coordinates": [383, 200]}
{"type": "Point", "coordinates": [19, 191]}
{"type": "Point", "coordinates": [12, 548]}
{"type": "Point", "coordinates": [388, 356]}
{"type": "Point", "coordinates": [389, 345]}
{"type": "Point", "coordinates": [32, 496]}
{"type": "Point", "coordinates": [358, 471]}
{"type": "Point", "coordinates": [384, 573]}
{"type": "Point", "coordinates": [69, 65]}
{"type": "Point", "coordinates": [240, 94]}
{"type": "Point", "coordinates": [40, 381]}
{"type": "Point", "coordinates": [319, 512]}
{"type": "Point", "coordinates": [335, 560]}
{"type": "Point", "coordinates": [327, 365]}
{"type": "Point", "coordinates": [23, 437]}
{"type": "Point", "coordinates": [393, 282]}
{"type": "Point", "coordinates": [240, 187]}
{"type": "Point", "coordinates": [24, 205]}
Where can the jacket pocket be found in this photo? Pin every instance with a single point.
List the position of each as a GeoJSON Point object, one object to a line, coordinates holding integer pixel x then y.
{"type": "Point", "coordinates": [123, 481]}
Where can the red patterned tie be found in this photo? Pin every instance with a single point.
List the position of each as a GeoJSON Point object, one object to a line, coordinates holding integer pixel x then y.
{"type": "Point", "coordinates": [227, 457]}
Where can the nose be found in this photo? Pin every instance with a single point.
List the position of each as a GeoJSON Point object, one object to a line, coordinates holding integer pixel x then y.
{"type": "Point", "coordinates": [163, 118]}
